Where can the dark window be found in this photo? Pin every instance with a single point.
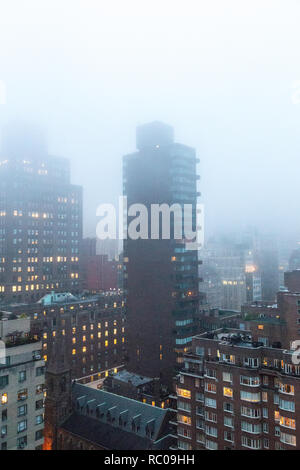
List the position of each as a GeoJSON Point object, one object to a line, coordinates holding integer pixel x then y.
{"type": "Point", "coordinates": [4, 381]}
{"type": "Point", "coordinates": [39, 435]}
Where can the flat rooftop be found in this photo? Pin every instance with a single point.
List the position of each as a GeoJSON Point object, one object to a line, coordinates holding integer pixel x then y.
{"type": "Point", "coordinates": [130, 377]}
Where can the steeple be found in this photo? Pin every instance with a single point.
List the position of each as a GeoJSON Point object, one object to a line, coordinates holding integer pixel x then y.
{"type": "Point", "coordinates": [58, 403]}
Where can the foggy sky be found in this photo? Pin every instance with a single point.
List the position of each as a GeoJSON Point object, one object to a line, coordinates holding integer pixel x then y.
{"type": "Point", "coordinates": [220, 72]}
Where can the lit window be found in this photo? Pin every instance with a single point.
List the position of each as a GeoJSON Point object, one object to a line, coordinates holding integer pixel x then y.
{"type": "Point", "coordinates": [183, 393]}
{"type": "Point", "coordinates": [4, 398]}
{"type": "Point", "coordinates": [227, 392]}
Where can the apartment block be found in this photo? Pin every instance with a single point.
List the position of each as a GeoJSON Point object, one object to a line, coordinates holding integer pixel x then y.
{"type": "Point", "coordinates": [160, 273]}
{"type": "Point", "coordinates": [22, 387]}
{"type": "Point", "coordinates": [239, 387]}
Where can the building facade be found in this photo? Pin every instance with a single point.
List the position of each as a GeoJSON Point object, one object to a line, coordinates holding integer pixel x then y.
{"type": "Point", "coordinates": [94, 329]}
{"type": "Point", "coordinates": [40, 221]}
{"type": "Point", "coordinates": [160, 275]}
{"type": "Point", "coordinates": [22, 387]}
{"type": "Point", "coordinates": [239, 387]}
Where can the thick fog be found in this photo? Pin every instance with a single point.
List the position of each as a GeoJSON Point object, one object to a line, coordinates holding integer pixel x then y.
{"type": "Point", "coordinates": [225, 74]}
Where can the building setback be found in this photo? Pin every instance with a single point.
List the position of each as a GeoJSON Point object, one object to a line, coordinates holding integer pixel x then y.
{"type": "Point", "coordinates": [160, 275]}
{"type": "Point", "coordinates": [40, 221]}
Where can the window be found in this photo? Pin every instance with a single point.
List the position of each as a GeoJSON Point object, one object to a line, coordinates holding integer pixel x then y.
{"type": "Point", "coordinates": [200, 437]}
{"type": "Point", "coordinates": [288, 422]}
{"type": "Point", "coordinates": [3, 431]}
{"type": "Point", "coordinates": [184, 432]}
{"type": "Point", "coordinates": [39, 435]}
{"type": "Point", "coordinates": [199, 423]}
{"type": "Point", "coordinates": [22, 410]}
{"type": "Point", "coordinates": [210, 387]}
{"type": "Point", "coordinates": [228, 421]}
{"type": "Point", "coordinates": [286, 388]}
{"type": "Point", "coordinates": [251, 443]}
{"type": "Point", "coordinates": [251, 362]}
{"type": "Point", "coordinates": [22, 376]}
{"type": "Point", "coordinates": [40, 371]}
{"type": "Point", "coordinates": [210, 402]}
{"type": "Point", "coordinates": [265, 427]}
{"type": "Point", "coordinates": [228, 407]}
{"type": "Point", "coordinates": [22, 394]}
{"type": "Point", "coordinates": [227, 392]}
{"type": "Point", "coordinates": [251, 427]}
{"type": "Point", "coordinates": [4, 381]}
{"type": "Point", "coordinates": [199, 396]}
{"type": "Point", "coordinates": [229, 358]}
{"type": "Point", "coordinates": [39, 404]}
{"type": "Point", "coordinates": [288, 439]}
{"type": "Point", "coordinates": [227, 377]}
{"type": "Point", "coordinates": [250, 412]}
{"type": "Point", "coordinates": [211, 445]}
{"type": "Point", "coordinates": [183, 405]}
{"type": "Point", "coordinates": [228, 436]}
{"type": "Point", "coordinates": [4, 415]}
{"type": "Point", "coordinates": [181, 392]}
{"type": "Point", "coordinates": [22, 425]}
{"type": "Point", "coordinates": [210, 416]}
{"type": "Point", "coordinates": [184, 419]}
{"type": "Point", "coordinates": [211, 431]}
{"type": "Point", "coordinates": [211, 373]}
{"type": "Point", "coordinates": [266, 443]}
{"type": "Point", "coordinates": [22, 442]}
{"type": "Point", "coordinates": [249, 396]}
{"type": "Point", "coordinates": [250, 381]}
{"type": "Point", "coordinates": [286, 405]}
{"type": "Point", "coordinates": [4, 398]}
{"type": "Point", "coordinates": [39, 419]}
{"type": "Point", "coordinates": [39, 389]}
{"type": "Point", "coordinates": [184, 445]}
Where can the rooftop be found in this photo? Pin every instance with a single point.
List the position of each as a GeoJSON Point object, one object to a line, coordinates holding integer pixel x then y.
{"type": "Point", "coordinates": [130, 377]}
{"type": "Point", "coordinates": [120, 413]}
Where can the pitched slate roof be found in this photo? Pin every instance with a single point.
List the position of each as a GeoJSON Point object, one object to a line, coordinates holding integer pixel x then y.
{"type": "Point", "coordinates": [144, 421]}
{"type": "Point", "coordinates": [103, 434]}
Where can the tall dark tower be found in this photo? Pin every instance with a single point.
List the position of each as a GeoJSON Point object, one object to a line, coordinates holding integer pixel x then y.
{"type": "Point", "coordinates": [40, 219]}
{"type": "Point", "coordinates": [58, 403]}
{"type": "Point", "coordinates": [160, 275]}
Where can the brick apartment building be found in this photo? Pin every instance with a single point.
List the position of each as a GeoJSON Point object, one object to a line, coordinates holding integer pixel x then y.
{"type": "Point", "coordinates": [161, 279]}
{"type": "Point", "coordinates": [239, 387]}
{"type": "Point", "coordinates": [93, 329]}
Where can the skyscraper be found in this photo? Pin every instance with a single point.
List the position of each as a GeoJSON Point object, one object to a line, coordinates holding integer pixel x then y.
{"type": "Point", "coordinates": [160, 275]}
{"type": "Point", "coordinates": [40, 220]}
